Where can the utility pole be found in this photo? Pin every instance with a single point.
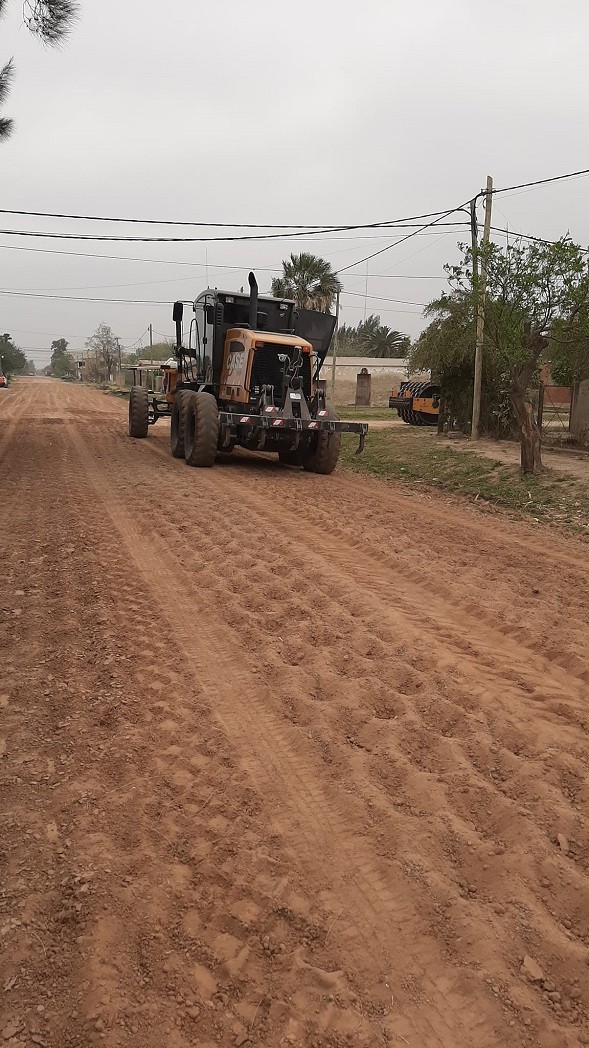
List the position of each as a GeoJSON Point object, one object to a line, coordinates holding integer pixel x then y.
{"type": "Point", "coordinates": [334, 349]}
{"type": "Point", "coordinates": [151, 343]}
{"type": "Point", "coordinates": [480, 293]}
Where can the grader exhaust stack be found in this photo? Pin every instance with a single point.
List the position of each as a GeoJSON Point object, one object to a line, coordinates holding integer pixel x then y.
{"type": "Point", "coordinates": [253, 315]}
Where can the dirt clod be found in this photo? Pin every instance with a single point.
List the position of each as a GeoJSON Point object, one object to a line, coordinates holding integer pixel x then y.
{"type": "Point", "coordinates": [531, 969]}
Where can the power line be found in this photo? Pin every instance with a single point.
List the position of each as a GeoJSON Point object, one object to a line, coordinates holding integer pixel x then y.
{"type": "Point", "coordinates": [193, 265]}
{"type": "Point", "coordinates": [205, 240]}
{"type": "Point", "coordinates": [390, 309]}
{"type": "Point", "coordinates": [83, 298]}
{"type": "Point", "coordinates": [159, 240]}
{"type": "Point", "coordinates": [215, 225]}
{"type": "Point", "coordinates": [105, 287]}
{"type": "Point", "coordinates": [540, 182]}
{"type": "Point", "coordinates": [406, 276]}
{"type": "Point", "coordinates": [536, 240]}
{"type": "Point", "coordinates": [127, 258]}
{"type": "Point", "coordinates": [402, 240]}
{"type": "Point", "coordinates": [51, 334]}
{"type": "Point", "coordinates": [379, 298]}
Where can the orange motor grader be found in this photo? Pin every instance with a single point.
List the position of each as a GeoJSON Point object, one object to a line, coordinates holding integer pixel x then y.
{"type": "Point", "coordinates": [249, 376]}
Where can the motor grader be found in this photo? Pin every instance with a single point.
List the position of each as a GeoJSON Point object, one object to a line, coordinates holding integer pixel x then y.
{"type": "Point", "coordinates": [249, 376]}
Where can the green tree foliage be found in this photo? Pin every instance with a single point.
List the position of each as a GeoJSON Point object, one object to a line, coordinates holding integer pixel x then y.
{"type": "Point", "coordinates": [446, 348]}
{"type": "Point", "coordinates": [309, 280]}
{"type": "Point", "coordinates": [12, 359]}
{"type": "Point", "coordinates": [50, 20]}
{"type": "Point", "coordinates": [62, 362]}
{"type": "Point", "coordinates": [105, 354]}
{"type": "Point", "coordinates": [370, 338]}
{"type": "Point", "coordinates": [158, 352]}
{"type": "Point", "coordinates": [569, 350]}
{"type": "Point", "coordinates": [537, 300]}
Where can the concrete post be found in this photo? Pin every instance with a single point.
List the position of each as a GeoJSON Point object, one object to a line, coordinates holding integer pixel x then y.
{"type": "Point", "coordinates": [363, 388]}
{"type": "Point", "coordinates": [580, 414]}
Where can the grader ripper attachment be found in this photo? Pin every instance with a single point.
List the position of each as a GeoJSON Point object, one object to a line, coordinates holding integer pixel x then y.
{"type": "Point", "coordinates": [250, 377]}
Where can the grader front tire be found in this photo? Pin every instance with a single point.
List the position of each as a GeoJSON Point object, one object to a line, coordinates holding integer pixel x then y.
{"type": "Point", "coordinates": [202, 430]}
{"type": "Point", "coordinates": [138, 412]}
{"type": "Point", "coordinates": [178, 422]}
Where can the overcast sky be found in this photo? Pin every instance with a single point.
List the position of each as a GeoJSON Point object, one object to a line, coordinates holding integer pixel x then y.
{"type": "Point", "coordinates": [322, 112]}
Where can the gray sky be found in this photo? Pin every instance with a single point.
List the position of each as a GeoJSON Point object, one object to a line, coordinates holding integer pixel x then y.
{"type": "Point", "coordinates": [325, 112]}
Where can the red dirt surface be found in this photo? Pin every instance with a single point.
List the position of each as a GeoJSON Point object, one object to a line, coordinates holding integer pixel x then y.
{"type": "Point", "coordinates": [285, 759]}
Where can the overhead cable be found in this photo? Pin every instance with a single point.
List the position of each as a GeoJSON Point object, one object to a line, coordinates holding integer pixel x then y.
{"type": "Point", "coordinates": [402, 240]}
{"type": "Point", "coordinates": [213, 225]}
{"type": "Point", "coordinates": [539, 182]}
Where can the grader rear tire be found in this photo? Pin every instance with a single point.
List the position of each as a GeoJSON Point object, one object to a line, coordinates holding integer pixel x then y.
{"type": "Point", "coordinates": [138, 412]}
{"type": "Point", "coordinates": [326, 453]}
{"type": "Point", "coordinates": [178, 423]}
{"type": "Point", "coordinates": [202, 430]}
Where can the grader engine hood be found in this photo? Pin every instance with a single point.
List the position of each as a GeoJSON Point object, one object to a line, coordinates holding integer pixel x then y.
{"type": "Point", "coordinates": [253, 360]}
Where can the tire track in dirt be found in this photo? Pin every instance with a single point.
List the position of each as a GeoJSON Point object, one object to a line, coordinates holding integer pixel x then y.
{"type": "Point", "coordinates": [449, 626]}
{"type": "Point", "coordinates": [302, 801]}
{"type": "Point", "coordinates": [442, 601]}
{"type": "Point", "coordinates": [419, 799]}
{"type": "Point", "coordinates": [236, 932]}
{"type": "Point", "coordinates": [13, 403]}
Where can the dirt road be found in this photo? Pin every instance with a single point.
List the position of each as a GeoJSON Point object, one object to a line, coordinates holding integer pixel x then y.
{"type": "Point", "coordinates": [286, 759]}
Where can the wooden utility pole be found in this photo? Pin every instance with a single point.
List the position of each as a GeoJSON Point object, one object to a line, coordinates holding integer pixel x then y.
{"type": "Point", "coordinates": [334, 349]}
{"type": "Point", "coordinates": [479, 276]}
{"type": "Point", "coordinates": [151, 343]}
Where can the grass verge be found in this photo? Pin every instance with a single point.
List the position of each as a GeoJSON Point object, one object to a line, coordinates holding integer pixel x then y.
{"type": "Point", "coordinates": [354, 414]}
{"type": "Point", "coordinates": [415, 457]}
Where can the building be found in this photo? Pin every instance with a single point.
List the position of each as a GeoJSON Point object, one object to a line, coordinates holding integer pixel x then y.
{"type": "Point", "coordinates": [348, 367]}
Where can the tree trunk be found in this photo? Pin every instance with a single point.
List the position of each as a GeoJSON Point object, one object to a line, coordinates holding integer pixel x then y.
{"type": "Point", "coordinates": [531, 436]}
{"type": "Point", "coordinates": [531, 442]}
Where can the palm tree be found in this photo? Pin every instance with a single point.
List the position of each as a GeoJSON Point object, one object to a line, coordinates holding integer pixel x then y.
{"type": "Point", "coordinates": [48, 19]}
{"type": "Point", "coordinates": [309, 280]}
{"type": "Point", "coordinates": [6, 76]}
{"type": "Point", "coordinates": [382, 341]}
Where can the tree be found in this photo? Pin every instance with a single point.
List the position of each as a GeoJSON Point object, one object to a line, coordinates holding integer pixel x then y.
{"type": "Point", "coordinates": [62, 362]}
{"type": "Point", "coordinates": [309, 280]}
{"type": "Point", "coordinates": [569, 350]}
{"type": "Point", "coordinates": [370, 338]}
{"type": "Point", "coordinates": [6, 78]}
{"type": "Point", "coordinates": [383, 341]}
{"type": "Point", "coordinates": [105, 347]}
{"type": "Point", "coordinates": [537, 294]}
{"type": "Point", "coordinates": [12, 359]}
{"type": "Point", "coordinates": [50, 20]}
{"type": "Point", "coordinates": [446, 348]}
{"type": "Point", "coordinates": [157, 352]}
